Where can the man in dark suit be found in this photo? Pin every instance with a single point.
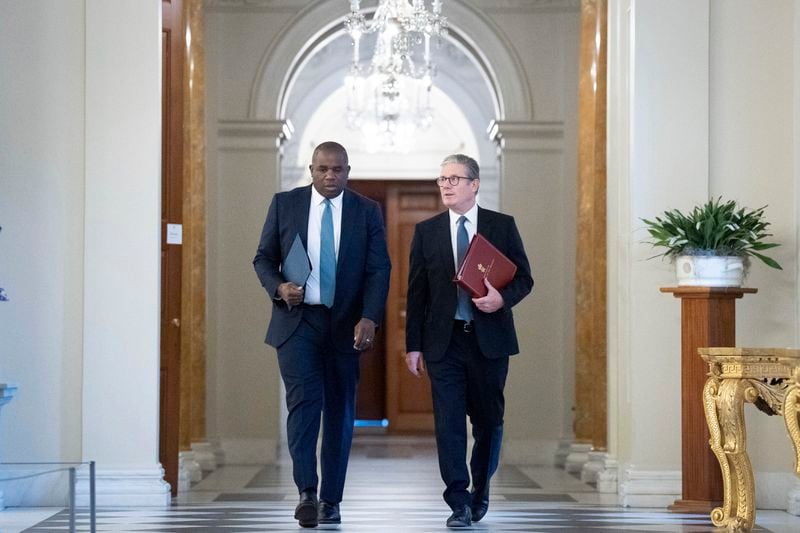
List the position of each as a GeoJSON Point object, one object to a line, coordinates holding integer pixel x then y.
{"type": "Point", "coordinates": [320, 328]}
{"type": "Point", "coordinates": [464, 342]}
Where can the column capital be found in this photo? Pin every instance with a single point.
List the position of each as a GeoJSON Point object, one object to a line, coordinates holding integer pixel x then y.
{"type": "Point", "coordinates": [248, 134]}
{"type": "Point", "coordinates": [534, 136]}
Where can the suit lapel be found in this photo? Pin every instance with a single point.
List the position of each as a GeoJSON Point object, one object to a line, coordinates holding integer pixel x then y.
{"type": "Point", "coordinates": [347, 233]}
{"type": "Point", "coordinates": [485, 223]}
{"type": "Point", "coordinates": [442, 230]}
{"type": "Point", "coordinates": [301, 214]}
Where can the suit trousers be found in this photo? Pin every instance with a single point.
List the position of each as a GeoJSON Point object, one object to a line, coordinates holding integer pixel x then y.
{"type": "Point", "coordinates": [466, 383]}
{"type": "Point", "coordinates": [318, 380]}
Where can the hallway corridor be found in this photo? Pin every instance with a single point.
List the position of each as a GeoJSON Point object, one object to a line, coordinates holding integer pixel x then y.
{"type": "Point", "coordinates": [393, 486]}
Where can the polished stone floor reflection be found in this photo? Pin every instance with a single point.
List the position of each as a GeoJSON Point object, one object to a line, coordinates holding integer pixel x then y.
{"type": "Point", "coordinates": [393, 486]}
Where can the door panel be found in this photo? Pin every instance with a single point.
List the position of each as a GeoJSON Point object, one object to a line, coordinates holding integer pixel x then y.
{"type": "Point", "coordinates": [171, 213]}
{"type": "Point", "coordinates": [408, 397]}
{"type": "Point", "coordinates": [386, 388]}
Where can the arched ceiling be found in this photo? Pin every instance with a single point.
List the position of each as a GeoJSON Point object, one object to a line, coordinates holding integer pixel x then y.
{"type": "Point", "coordinates": [316, 102]}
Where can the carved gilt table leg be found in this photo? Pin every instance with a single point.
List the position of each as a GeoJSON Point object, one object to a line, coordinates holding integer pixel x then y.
{"type": "Point", "coordinates": [791, 415]}
{"type": "Point", "coordinates": [723, 400]}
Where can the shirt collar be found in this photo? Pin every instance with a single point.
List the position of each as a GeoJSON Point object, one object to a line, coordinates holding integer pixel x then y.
{"type": "Point", "coordinates": [317, 198]}
{"type": "Point", "coordinates": [472, 215]}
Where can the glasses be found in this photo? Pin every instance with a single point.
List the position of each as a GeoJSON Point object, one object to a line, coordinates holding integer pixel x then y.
{"type": "Point", "coordinates": [452, 180]}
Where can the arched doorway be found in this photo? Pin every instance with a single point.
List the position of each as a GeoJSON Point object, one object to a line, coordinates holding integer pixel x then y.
{"type": "Point", "coordinates": [400, 179]}
{"type": "Point", "coordinates": [535, 168]}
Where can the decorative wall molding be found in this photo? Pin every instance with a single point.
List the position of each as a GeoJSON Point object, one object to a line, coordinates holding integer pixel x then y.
{"type": "Point", "coordinates": [578, 456]}
{"type": "Point", "coordinates": [252, 134]}
{"type": "Point", "coordinates": [189, 470]}
{"type": "Point", "coordinates": [257, 5]}
{"type": "Point", "coordinates": [203, 453]}
{"type": "Point", "coordinates": [528, 136]}
{"type": "Point", "coordinates": [793, 506]}
{"type": "Point", "coordinates": [777, 490]}
{"type": "Point", "coordinates": [649, 488]}
{"type": "Point", "coordinates": [490, 6]}
{"type": "Point", "coordinates": [607, 477]}
{"type": "Point", "coordinates": [560, 457]}
{"type": "Point", "coordinates": [505, 6]}
{"type": "Point", "coordinates": [593, 466]}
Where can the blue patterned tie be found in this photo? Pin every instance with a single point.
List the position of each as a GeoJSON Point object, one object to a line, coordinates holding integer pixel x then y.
{"type": "Point", "coordinates": [464, 311]}
{"type": "Point", "coordinates": [327, 258]}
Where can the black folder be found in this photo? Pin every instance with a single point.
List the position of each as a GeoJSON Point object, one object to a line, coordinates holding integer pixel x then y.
{"type": "Point", "coordinates": [296, 267]}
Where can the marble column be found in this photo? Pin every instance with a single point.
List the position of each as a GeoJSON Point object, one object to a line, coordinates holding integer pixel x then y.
{"type": "Point", "coordinates": [590, 282]}
{"type": "Point", "coordinates": [196, 453]}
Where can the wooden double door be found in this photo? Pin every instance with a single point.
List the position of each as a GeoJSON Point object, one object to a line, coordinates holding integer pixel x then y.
{"type": "Point", "coordinates": [387, 390]}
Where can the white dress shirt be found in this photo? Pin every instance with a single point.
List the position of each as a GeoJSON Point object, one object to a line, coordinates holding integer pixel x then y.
{"type": "Point", "coordinates": [315, 211]}
{"type": "Point", "coordinates": [471, 224]}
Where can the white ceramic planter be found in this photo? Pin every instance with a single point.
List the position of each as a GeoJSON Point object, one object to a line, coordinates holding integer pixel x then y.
{"type": "Point", "coordinates": [710, 270]}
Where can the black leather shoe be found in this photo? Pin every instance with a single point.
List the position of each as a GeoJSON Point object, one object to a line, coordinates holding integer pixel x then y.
{"type": "Point", "coordinates": [329, 513]}
{"type": "Point", "coordinates": [479, 506]}
{"type": "Point", "coordinates": [461, 517]}
{"type": "Point", "coordinates": [306, 511]}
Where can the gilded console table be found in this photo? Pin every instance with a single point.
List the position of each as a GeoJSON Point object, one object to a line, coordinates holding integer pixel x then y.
{"type": "Point", "coordinates": [766, 377]}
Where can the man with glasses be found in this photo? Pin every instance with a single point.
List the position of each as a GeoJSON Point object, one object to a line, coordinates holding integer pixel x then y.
{"type": "Point", "coordinates": [464, 342]}
{"type": "Point", "coordinates": [320, 327]}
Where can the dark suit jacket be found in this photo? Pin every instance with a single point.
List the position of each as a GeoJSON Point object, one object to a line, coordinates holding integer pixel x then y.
{"type": "Point", "coordinates": [432, 298]}
{"type": "Point", "coordinates": [363, 266]}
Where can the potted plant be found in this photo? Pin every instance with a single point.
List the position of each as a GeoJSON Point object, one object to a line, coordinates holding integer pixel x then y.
{"type": "Point", "coordinates": [712, 245]}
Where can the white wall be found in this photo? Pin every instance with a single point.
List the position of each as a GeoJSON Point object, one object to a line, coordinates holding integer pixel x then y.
{"type": "Point", "coordinates": [80, 206]}
{"type": "Point", "coordinates": [752, 141]}
{"type": "Point", "coordinates": [41, 212]}
{"type": "Point", "coordinates": [709, 114]}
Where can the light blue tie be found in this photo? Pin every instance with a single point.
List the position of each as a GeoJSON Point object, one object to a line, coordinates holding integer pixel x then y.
{"type": "Point", "coordinates": [464, 311]}
{"type": "Point", "coordinates": [327, 258]}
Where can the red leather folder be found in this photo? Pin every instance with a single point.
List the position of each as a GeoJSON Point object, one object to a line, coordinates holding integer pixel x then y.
{"type": "Point", "coordinates": [483, 260]}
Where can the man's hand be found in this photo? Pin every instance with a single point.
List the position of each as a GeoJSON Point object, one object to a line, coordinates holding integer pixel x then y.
{"type": "Point", "coordinates": [415, 364]}
{"type": "Point", "coordinates": [491, 302]}
{"type": "Point", "coordinates": [290, 293]}
{"type": "Point", "coordinates": [364, 335]}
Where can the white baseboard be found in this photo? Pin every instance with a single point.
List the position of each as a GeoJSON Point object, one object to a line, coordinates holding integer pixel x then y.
{"type": "Point", "coordinates": [203, 453]}
{"type": "Point", "coordinates": [653, 488]}
{"type": "Point", "coordinates": [249, 451]}
{"type": "Point", "coordinates": [529, 452]}
{"type": "Point", "coordinates": [777, 490]}
{"type": "Point", "coordinates": [124, 486]}
{"type": "Point", "coordinates": [562, 452]}
{"type": "Point", "coordinates": [593, 466]}
{"type": "Point", "coordinates": [649, 488]}
{"type": "Point", "coordinates": [189, 471]}
{"type": "Point", "coordinates": [607, 477]}
{"type": "Point", "coordinates": [578, 456]}
{"type": "Point", "coordinates": [793, 506]}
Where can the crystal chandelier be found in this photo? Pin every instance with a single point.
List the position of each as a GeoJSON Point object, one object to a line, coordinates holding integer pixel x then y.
{"type": "Point", "coordinates": [389, 99]}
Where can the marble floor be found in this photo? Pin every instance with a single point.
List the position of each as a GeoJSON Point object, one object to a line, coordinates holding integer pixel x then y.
{"type": "Point", "coordinates": [393, 486]}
